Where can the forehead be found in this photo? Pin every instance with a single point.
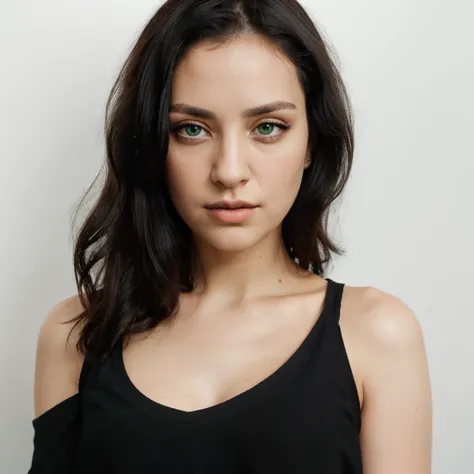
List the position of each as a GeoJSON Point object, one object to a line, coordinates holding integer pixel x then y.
{"type": "Point", "coordinates": [244, 71]}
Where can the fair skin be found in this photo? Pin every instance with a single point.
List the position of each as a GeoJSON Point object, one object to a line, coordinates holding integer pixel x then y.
{"type": "Point", "coordinates": [251, 301]}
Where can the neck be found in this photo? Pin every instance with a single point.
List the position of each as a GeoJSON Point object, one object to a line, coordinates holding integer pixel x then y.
{"type": "Point", "coordinates": [238, 276]}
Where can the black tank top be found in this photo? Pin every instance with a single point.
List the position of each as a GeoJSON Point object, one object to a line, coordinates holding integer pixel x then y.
{"type": "Point", "coordinates": [302, 419]}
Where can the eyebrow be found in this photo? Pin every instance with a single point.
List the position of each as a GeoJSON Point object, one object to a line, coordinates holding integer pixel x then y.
{"type": "Point", "coordinates": [253, 112]}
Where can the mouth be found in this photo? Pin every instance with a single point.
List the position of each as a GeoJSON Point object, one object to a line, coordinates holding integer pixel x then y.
{"type": "Point", "coordinates": [231, 205]}
{"type": "Point", "coordinates": [235, 212]}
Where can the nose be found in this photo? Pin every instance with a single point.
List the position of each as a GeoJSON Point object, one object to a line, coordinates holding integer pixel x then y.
{"type": "Point", "coordinates": [230, 167]}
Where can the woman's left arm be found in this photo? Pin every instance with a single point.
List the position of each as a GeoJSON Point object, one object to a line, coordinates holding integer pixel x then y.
{"type": "Point", "coordinates": [397, 409]}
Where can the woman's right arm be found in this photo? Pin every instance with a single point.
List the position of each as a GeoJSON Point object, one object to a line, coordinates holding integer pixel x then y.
{"type": "Point", "coordinates": [57, 420]}
{"type": "Point", "coordinates": [58, 364]}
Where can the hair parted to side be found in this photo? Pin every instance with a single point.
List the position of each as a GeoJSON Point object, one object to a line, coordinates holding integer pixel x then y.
{"type": "Point", "coordinates": [133, 253]}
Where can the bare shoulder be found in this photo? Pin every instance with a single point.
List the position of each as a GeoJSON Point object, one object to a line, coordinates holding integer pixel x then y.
{"type": "Point", "coordinates": [384, 321]}
{"type": "Point", "coordinates": [58, 363]}
{"type": "Point", "coordinates": [379, 331]}
{"type": "Point", "coordinates": [386, 348]}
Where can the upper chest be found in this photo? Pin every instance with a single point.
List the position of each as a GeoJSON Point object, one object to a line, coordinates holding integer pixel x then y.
{"type": "Point", "coordinates": [200, 360]}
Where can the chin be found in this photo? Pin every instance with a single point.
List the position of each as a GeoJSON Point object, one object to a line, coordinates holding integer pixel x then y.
{"type": "Point", "coordinates": [232, 239]}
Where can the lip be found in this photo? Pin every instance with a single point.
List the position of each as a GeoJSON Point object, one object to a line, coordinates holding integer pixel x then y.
{"type": "Point", "coordinates": [232, 212]}
{"type": "Point", "coordinates": [233, 216]}
{"type": "Point", "coordinates": [231, 205]}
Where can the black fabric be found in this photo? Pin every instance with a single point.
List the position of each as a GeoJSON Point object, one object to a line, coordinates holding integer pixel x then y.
{"type": "Point", "coordinates": [302, 419]}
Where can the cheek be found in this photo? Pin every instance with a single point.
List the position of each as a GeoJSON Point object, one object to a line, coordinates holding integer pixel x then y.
{"type": "Point", "coordinates": [281, 181]}
{"type": "Point", "coordinates": [181, 181]}
{"type": "Point", "coordinates": [284, 172]}
{"type": "Point", "coordinates": [187, 167]}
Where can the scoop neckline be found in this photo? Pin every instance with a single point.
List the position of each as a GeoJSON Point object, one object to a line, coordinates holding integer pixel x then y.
{"type": "Point", "coordinates": [242, 400]}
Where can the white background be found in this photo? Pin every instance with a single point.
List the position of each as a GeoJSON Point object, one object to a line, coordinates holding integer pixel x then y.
{"type": "Point", "coordinates": [406, 219]}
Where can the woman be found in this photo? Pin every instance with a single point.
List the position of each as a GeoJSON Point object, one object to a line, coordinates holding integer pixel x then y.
{"type": "Point", "coordinates": [205, 337]}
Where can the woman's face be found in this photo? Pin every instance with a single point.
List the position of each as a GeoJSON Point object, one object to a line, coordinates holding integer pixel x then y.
{"type": "Point", "coordinates": [223, 149]}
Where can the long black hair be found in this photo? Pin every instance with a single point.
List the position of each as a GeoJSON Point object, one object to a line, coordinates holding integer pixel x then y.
{"type": "Point", "coordinates": [133, 253]}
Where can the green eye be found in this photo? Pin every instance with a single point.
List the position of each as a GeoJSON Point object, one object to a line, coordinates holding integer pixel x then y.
{"type": "Point", "coordinates": [266, 128]}
{"type": "Point", "coordinates": [192, 130]}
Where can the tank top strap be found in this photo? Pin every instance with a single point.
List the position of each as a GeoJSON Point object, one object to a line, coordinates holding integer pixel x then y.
{"type": "Point", "coordinates": [332, 304]}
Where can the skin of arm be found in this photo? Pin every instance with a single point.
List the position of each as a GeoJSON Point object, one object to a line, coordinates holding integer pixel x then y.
{"type": "Point", "coordinates": [396, 435]}
{"type": "Point", "coordinates": [58, 364]}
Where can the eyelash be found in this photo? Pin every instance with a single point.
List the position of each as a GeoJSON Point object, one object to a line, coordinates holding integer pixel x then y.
{"type": "Point", "coordinates": [283, 126]}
